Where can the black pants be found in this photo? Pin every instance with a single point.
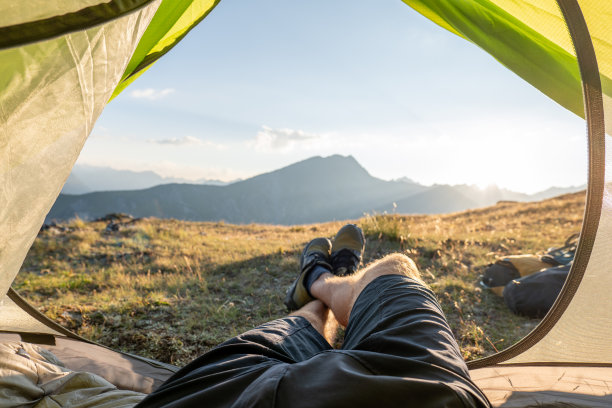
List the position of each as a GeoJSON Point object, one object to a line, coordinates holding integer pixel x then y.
{"type": "Point", "coordinates": [398, 351]}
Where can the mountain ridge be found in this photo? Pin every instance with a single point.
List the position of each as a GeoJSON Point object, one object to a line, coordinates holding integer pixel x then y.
{"type": "Point", "coordinates": [317, 189]}
{"type": "Point", "coordinates": [89, 179]}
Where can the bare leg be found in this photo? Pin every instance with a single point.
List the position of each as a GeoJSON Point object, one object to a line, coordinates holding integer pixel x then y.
{"type": "Point", "coordinates": [340, 293]}
{"type": "Point", "coordinates": [319, 316]}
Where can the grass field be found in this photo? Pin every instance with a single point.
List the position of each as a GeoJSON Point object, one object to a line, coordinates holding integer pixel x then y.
{"type": "Point", "coordinates": [171, 290]}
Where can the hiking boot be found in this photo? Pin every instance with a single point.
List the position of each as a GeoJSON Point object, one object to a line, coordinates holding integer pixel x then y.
{"type": "Point", "coordinates": [315, 259]}
{"type": "Point", "coordinates": [347, 250]}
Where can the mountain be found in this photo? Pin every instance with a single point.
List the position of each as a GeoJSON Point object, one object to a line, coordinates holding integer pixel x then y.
{"type": "Point", "coordinates": [435, 200]}
{"type": "Point", "coordinates": [556, 191]}
{"type": "Point", "coordinates": [314, 190]}
{"type": "Point", "coordinates": [439, 199]}
{"type": "Point", "coordinates": [86, 179]}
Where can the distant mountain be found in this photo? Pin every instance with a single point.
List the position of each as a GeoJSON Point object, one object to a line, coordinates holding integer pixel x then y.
{"type": "Point", "coordinates": [556, 191]}
{"type": "Point", "coordinates": [440, 199]}
{"type": "Point", "coordinates": [435, 200]}
{"type": "Point", "coordinates": [314, 190]}
{"type": "Point", "coordinates": [86, 179]}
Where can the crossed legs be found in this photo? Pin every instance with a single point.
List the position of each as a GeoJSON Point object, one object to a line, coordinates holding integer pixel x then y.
{"type": "Point", "coordinates": [338, 294]}
{"type": "Point", "coordinates": [398, 349]}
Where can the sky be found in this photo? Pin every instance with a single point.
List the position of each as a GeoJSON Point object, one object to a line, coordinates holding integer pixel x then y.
{"type": "Point", "coordinates": [260, 85]}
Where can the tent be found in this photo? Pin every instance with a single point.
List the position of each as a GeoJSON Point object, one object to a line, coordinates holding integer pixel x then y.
{"type": "Point", "coordinates": [62, 62]}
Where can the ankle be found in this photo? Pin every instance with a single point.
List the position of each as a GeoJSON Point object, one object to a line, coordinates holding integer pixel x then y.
{"type": "Point", "coordinates": [313, 275]}
{"type": "Point", "coordinates": [320, 288]}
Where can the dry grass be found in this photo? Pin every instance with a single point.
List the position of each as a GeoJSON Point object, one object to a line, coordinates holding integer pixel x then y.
{"type": "Point", "coordinates": [171, 289]}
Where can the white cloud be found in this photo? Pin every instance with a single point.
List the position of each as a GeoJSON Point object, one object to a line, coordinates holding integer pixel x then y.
{"type": "Point", "coordinates": [178, 141]}
{"type": "Point", "coordinates": [150, 93]}
{"type": "Point", "coordinates": [269, 139]}
{"type": "Point", "coordinates": [188, 141]}
{"type": "Point", "coordinates": [193, 172]}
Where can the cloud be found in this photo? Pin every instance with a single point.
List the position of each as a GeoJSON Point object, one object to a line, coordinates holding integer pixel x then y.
{"type": "Point", "coordinates": [151, 94]}
{"type": "Point", "coordinates": [178, 141]}
{"type": "Point", "coordinates": [269, 139]}
{"type": "Point", "coordinates": [187, 141]}
{"type": "Point", "coordinates": [166, 168]}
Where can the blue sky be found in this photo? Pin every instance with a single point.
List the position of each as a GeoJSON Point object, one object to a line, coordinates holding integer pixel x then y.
{"type": "Point", "coordinates": [259, 85]}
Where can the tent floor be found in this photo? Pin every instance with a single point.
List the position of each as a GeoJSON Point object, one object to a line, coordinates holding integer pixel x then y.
{"type": "Point", "coordinates": [514, 386]}
{"type": "Point", "coordinates": [124, 371]}
{"type": "Point", "coordinates": [507, 386]}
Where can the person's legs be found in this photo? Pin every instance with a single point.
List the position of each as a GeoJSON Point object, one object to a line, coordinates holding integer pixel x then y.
{"type": "Point", "coordinates": [340, 293]}
{"type": "Point", "coordinates": [221, 375]}
{"type": "Point", "coordinates": [396, 329]}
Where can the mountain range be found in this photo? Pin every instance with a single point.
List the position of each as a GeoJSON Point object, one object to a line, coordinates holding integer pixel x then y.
{"type": "Point", "coordinates": [86, 179]}
{"type": "Point", "coordinates": [314, 190]}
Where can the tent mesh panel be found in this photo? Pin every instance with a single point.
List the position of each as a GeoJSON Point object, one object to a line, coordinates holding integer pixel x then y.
{"type": "Point", "coordinates": [583, 332]}
{"type": "Point", "coordinates": [52, 93]}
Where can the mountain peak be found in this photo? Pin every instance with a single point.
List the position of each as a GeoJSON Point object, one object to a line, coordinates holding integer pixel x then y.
{"type": "Point", "coordinates": [337, 158]}
{"type": "Point", "coordinates": [333, 165]}
{"type": "Point", "coordinates": [316, 174]}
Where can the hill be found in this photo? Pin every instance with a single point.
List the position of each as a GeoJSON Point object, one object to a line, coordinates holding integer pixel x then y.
{"type": "Point", "coordinates": [314, 190]}
{"type": "Point", "coordinates": [171, 289]}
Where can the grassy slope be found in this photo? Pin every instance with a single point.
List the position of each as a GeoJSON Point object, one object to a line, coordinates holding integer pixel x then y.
{"type": "Point", "coordinates": [171, 289]}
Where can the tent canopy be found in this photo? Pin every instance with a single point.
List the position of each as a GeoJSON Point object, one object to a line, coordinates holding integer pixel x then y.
{"type": "Point", "coordinates": [57, 73]}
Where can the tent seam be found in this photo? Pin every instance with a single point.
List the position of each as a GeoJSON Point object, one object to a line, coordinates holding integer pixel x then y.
{"type": "Point", "coordinates": [52, 27]}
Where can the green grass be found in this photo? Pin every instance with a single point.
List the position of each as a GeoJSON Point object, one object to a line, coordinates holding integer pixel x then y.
{"type": "Point", "coordinates": [171, 290]}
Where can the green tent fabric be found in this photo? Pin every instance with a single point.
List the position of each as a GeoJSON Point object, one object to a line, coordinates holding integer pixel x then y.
{"type": "Point", "coordinates": [171, 23]}
{"type": "Point", "coordinates": [530, 38]}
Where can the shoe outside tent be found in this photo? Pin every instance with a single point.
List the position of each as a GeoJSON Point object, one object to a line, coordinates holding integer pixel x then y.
{"type": "Point", "coordinates": [62, 62]}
